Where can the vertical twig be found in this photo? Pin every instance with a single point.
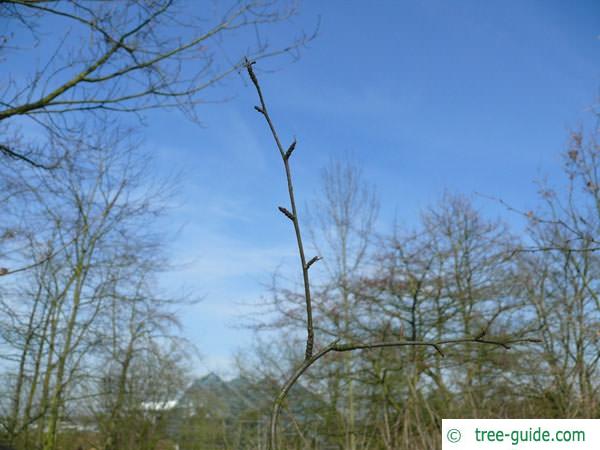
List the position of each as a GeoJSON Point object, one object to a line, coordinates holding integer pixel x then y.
{"type": "Point", "coordinates": [293, 214]}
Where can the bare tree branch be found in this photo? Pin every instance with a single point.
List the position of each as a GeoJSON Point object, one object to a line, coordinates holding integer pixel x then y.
{"type": "Point", "coordinates": [293, 216]}
{"type": "Point", "coordinates": [141, 56]}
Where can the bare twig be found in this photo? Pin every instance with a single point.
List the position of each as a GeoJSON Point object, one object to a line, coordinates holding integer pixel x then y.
{"type": "Point", "coordinates": [16, 155]}
{"type": "Point", "coordinates": [293, 215]}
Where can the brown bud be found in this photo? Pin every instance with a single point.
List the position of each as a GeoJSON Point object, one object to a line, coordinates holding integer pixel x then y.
{"type": "Point", "coordinates": [290, 150]}
{"type": "Point", "coordinates": [248, 65]}
{"type": "Point", "coordinates": [313, 260]}
{"type": "Point", "coordinates": [3, 271]}
{"type": "Point", "coordinates": [288, 214]}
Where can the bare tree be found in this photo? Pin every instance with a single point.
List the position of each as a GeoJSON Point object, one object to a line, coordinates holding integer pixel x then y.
{"type": "Point", "coordinates": [561, 269]}
{"type": "Point", "coordinates": [142, 369]}
{"type": "Point", "coordinates": [96, 210]}
{"type": "Point", "coordinates": [341, 224]}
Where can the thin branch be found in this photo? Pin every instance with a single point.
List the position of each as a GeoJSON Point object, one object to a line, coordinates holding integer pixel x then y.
{"type": "Point", "coordinates": [108, 59]}
{"type": "Point", "coordinates": [293, 215]}
{"type": "Point", "coordinates": [16, 155]}
{"type": "Point", "coordinates": [529, 215]}
{"type": "Point", "coordinates": [335, 346]}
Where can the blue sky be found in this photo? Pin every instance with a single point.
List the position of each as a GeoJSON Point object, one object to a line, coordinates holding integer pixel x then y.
{"type": "Point", "coordinates": [464, 96]}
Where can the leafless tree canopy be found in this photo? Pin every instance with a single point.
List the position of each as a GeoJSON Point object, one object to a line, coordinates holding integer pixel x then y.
{"type": "Point", "coordinates": [85, 332]}
{"type": "Point", "coordinates": [121, 56]}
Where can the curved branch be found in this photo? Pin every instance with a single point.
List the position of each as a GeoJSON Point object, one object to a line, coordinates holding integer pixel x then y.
{"type": "Point", "coordinates": [351, 346]}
